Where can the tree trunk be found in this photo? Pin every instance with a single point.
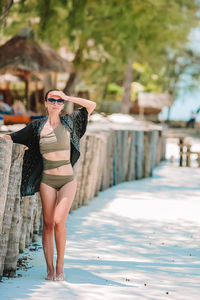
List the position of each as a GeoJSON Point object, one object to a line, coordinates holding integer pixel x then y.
{"type": "Point", "coordinates": [105, 91]}
{"type": "Point", "coordinates": [70, 90]}
{"type": "Point", "coordinates": [126, 98]}
{"type": "Point", "coordinates": [27, 96]}
{"type": "Point", "coordinates": [47, 81]}
{"type": "Point", "coordinates": [6, 8]}
{"type": "Point", "coordinates": [74, 76]}
{"type": "Point", "coordinates": [168, 114]}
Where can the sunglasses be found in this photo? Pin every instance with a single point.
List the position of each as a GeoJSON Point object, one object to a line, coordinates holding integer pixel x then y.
{"type": "Point", "coordinates": [58, 101]}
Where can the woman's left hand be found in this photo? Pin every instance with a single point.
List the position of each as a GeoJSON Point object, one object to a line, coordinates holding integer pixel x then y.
{"type": "Point", "coordinates": [58, 94]}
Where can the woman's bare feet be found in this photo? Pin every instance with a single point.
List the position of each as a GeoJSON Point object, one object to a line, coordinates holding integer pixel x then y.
{"type": "Point", "coordinates": [50, 275]}
{"type": "Point", "coordinates": [60, 276]}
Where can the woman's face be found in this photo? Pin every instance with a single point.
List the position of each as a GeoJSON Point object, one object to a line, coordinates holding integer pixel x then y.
{"type": "Point", "coordinates": [53, 107]}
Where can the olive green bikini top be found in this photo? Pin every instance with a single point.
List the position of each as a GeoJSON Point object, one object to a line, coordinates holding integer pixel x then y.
{"type": "Point", "coordinates": [56, 140]}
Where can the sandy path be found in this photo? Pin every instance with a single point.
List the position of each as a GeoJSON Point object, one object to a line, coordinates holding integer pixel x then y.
{"type": "Point", "coordinates": [137, 240]}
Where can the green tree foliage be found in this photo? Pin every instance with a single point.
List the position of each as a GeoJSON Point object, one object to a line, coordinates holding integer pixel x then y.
{"type": "Point", "coordinates": [104, 35]}
{"type": "Point", "coordinates": [5, 6]}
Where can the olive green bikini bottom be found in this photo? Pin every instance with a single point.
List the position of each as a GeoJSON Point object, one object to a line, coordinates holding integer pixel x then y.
{"type": "Point", "coordinates": [55, 181]}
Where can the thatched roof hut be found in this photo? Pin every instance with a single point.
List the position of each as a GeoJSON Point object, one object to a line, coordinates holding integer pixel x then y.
{"type": "Point", "coordinates": [151, 103]}
{"type": "Point", "coordinates": [153, 100]}
{"type": "Point", "coordinates": [21, 56]}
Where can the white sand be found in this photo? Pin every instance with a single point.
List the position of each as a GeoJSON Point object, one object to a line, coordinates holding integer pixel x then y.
{"type": "Point", "coordinates": [137, 240]}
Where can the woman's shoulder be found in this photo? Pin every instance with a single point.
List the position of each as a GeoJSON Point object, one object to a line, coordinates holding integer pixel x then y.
{"type": "Point", "coordinates": [37, 122]}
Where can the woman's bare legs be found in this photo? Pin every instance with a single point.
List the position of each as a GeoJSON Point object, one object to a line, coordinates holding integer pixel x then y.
{"type": "Point", "coordinates": [48, 199]}
{"type": "Point", "coordinates": [65, 198]}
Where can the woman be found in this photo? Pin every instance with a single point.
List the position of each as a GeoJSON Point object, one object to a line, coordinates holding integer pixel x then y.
{"type": "Point", "coordinates": [53, 149]}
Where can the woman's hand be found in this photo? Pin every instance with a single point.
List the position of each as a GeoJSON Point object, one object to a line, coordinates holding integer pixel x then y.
{"type": "Point", "coordinates": [8, 137]}
{"type": "Point", "coordinates": [5, 136]}
{"type": "Point", "coordinates": [58, 94]}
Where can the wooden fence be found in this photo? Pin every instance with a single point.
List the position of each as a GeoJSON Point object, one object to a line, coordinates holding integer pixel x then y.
{"type": "Point", "coordinates": [108, 157]}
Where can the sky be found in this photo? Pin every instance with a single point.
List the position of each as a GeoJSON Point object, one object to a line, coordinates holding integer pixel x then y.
{"type": "Point", "coordinates": [187, 100]}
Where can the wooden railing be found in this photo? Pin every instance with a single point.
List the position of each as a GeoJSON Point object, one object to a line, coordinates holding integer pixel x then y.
{"type": "Point", "coordinates": [108, 157]}
{"type": "Point", "coordinates": [185, 152]}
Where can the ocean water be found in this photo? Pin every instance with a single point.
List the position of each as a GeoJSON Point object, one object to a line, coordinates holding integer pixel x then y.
{"type": "Point", "coordinates": [187, 100]}
{"type": "Point", "coordinates": [183, 106]}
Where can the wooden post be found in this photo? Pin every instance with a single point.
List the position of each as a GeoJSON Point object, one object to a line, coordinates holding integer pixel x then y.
{"type": "Point", "coordinates": [139, 154]}
{"type": "Point", "coordinates": [181, 140]}
{"type": "Point", "coordinates": [198, 159]}
{"type": "Point", "coordinates": [188, 153]}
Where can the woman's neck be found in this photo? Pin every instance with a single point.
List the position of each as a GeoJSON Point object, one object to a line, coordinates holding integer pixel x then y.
{"type": "Point", "coordinates": [53, 119]}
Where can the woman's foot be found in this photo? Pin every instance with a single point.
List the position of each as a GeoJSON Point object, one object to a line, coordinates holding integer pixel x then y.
{"type": "Point", "coordinates": [60, 277]}
{"type": "Point", "coordinates": [50, 275]}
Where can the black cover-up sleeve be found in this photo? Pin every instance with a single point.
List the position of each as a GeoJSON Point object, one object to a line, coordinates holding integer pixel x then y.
{"type": "Point", "coordinates": [80, 120]}
{"type": "Point", "coordinates": [23, 136]}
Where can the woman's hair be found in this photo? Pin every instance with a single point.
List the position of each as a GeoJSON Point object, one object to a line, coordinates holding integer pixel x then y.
{"type": "Point", "coordinates": [46, 95]}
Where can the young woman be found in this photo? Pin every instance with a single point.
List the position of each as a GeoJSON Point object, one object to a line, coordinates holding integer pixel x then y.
{"type": "Point", "coordinates": [53, 148]}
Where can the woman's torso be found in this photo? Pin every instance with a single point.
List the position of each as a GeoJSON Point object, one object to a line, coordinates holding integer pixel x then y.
{"type": "Point", "coordinates": [53, 145]}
